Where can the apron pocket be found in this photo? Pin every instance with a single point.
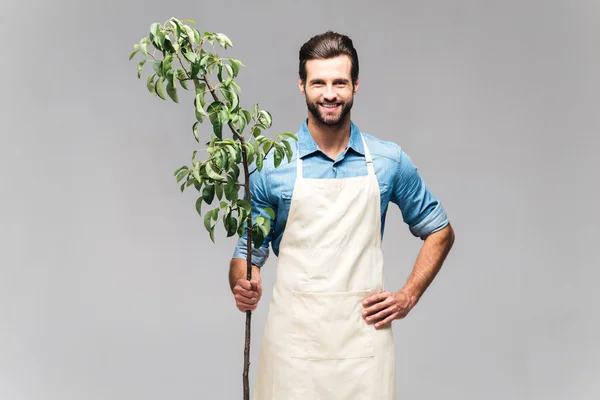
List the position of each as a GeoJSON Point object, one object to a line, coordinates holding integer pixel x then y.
{"type": "Point", "coordinates": [329, 326]}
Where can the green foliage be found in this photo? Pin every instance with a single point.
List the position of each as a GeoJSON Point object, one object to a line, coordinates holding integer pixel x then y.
{"type": "Point", "coordinates": [180, 54]}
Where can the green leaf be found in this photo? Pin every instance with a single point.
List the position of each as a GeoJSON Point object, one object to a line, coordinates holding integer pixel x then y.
{"type": "Point", "coordinates": [172, 92]}
{"type": "Point", "coordinates": [154, 29]}
{"type": "Point", "coordinates": [181, 76]}
{"type": "Point", "coordinates": [144, 46]}
{"type": "Point", "coordinates": [195, 68]}
{"type": "Point", "coordinates": [258, 236]}
{"type": "Point", "coordinates": [212, 234]}
{"type": "Point", "coordinates": [230, 188]}
{"type": "Point", "coordinates": [247, 116]}
{"type": "Point", "coordinates": [157, 66]}
{"type": "Point", "coordinates": [220, 72]}
{"type": "Point", "coordinates": [223, 40]}
{"type": "Point", "coordinates": [178, 170]}
{"type": "Point", "coordinates": [219, 190]}
{"type": "Point", "coordinates": [245, 204]}
{"type": "Point", "coordinates": [170, 77]}
{"type": "Point", "coordinates": [278, 156]}
{"type": "Point", "coordinates": [199, 109]}
{"type": "Point", "coordinates": [229, 69]}
{"type": "Point", "coordinates": [259, 161]}
{"type": "Point", "coordinates": [213, 110]}
{"type": "Point", "coordinates": [212, 174]}
{"type": "Point", "coordinates": [290, 134]}
{"type": "Point", "coordinates": [190, 34]}
{"type": "Point", "coordinates": [215, 214]}
{"type": "Point", "coordinates": [160, 41]}
{"type": "Point", "coordinates": [265, 118]}
{"type": "Point", "coordinates": [177, 28]}
{"type": "Point", "coordinates": [256, 131]}
{"type": "Point", "coordinates": [191, 21]}
{"type": "Point", "coordinates": [236, 172]}
{"type": "Point", "coordinates": [181, 175]}
{"type": "Point", "coordinates": [232, 225]}
{"type": "Point", "coordinates": [150, 84]}
{"type": "Point", "coordinates": [199, 202]}
{"type": "Point", "coordinates": [190, 56]}
{"type": "Point", "coordinates": [265, 227]}
{"type": "Point", "coordinates": [208, 193]}
{"type": "Point", "coordinates": [196, 173]}
{"type": "Point", "coordinates": [208, 221]}
{"type": "Point", "coordinates": [256, 110]}
{"type": "Point", "coordinates": [133, 54]}
{"type": "Point", "coordinates": [288, 150]}
{"type": "Point", "coordinates": [195, 130]}
{"type": "Point", "coordinates": [169, 46]}
{"type": "Point", "coordinates": [139, 68]}
{"type": "Point", "coordinates": [160, 90]}
{"type": "Point", "coordinates": [167, 64]}
{"type": "Point", "coordinates": [196, 35]}
{"type": "Point", "coordinates": [235, 65]}
{"type": "Point", "coordinates": [238, 88]}
{"type": "Point", "coordinates": [235, 100]}
{"type": "Point", "coordinates": [270, 212]}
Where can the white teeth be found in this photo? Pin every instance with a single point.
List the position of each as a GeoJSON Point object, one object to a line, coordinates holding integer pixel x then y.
{"type": "Point", "coordinates": [329, 105]}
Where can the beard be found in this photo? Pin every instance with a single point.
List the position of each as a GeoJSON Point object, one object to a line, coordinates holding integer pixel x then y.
{"type": "Point", "coordinates": [330, 119]}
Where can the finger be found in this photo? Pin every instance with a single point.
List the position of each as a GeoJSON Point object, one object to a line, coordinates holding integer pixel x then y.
{"type": "Point", "coordinates": [381, 315]}
{"type": "Point", "coordinates": [244, 284]}
{"type": "Point", "coordinates": [246, 294]}
{"type": "Point", "coordinates": [386, 322]}
{"type": "Point", "coordinates": [245, 300]}
{"type": "Point", "coordinates": [259, 290]}
{"type": "Point", "coordinates": [376, 298]}
{"type": "Point", "coordinates": [378, 306]}
{"type": "Point", "coordinates": [254, 284]}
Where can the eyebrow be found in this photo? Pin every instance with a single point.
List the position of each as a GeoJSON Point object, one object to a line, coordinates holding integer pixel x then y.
{"type": "Point", "coordinates": [342, 80]}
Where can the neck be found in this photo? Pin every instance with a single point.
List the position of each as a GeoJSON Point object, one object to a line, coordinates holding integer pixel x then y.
{"type": "Point", "coordinates": [331, 139]}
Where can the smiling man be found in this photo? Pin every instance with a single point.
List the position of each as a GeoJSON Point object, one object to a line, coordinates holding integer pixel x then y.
{"type": "Point", "coordinates": [329, 328]}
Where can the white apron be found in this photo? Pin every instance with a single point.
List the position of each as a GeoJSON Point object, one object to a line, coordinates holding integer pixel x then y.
{"type": "Point", "coordinates": [316, 345]}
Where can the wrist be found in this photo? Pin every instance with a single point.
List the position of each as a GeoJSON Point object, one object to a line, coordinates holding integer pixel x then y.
{"type": "Point", "coordinates": [412, 294]}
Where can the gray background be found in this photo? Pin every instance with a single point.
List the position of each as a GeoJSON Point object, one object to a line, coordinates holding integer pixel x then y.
{"type": "Point", "coordinates": [111, 289]}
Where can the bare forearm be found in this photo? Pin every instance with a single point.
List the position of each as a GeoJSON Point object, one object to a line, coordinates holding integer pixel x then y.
{"type": "Point", "coordinates": [237, 270]}
{"type": "Point", "coordinates": [429, 261]}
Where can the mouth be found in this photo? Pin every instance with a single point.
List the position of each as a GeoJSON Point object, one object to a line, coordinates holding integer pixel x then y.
{"type": "Point", "coordinates": [330, 107]}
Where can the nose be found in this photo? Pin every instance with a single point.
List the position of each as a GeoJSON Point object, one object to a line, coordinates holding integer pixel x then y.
{"type": "Point", "coordinates": [330, 94]}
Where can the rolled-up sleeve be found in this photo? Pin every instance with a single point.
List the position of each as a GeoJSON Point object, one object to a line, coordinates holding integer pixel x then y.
{"type": "Point", "coordinates": [421, 211]}
{"type": "Point", "coordinates": [260, 200]}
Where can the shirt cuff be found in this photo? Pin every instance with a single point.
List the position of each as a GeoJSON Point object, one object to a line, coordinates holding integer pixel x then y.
{"type": "Point", "coordinates": [259, 256]}
{"type": "Point", "coordinates": [436, 220]}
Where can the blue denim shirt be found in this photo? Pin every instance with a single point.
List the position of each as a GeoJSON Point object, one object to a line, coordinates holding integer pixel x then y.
{"type": "Point", "coordinates": [399, 183]}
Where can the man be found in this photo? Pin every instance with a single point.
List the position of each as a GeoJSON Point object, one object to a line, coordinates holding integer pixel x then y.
{"type": "Point", "coordinates": [328, 332]}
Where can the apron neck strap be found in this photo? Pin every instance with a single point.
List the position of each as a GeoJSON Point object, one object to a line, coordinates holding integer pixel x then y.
{"type": "Point", "coordinates": [368, 159]}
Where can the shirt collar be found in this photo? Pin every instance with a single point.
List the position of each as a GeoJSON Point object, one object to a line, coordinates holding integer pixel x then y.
{"type": "Point", "coordinates": [307, 145]}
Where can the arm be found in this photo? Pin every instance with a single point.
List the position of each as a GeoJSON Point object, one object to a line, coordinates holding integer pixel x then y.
{"type": "Point", "coordinates": [433, 252]}
{"type": "Point", "coordinates": [427, 219]}
{"type": "Point", "coordinates": [247, 293]}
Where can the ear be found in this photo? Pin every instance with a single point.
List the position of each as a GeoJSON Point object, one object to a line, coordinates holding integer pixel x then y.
{"type": "Point", "coordinates": [301, 86]}
{"type": "Point", "coordinates": [356, 85]}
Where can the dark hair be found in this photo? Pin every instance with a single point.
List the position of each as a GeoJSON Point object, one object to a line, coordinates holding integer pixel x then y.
{"type": "Point", "coordinates": [328, 45]}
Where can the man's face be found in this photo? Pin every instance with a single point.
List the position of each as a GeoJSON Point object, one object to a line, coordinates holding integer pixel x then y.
{"type": "Point", "coordinates": [328, 89]}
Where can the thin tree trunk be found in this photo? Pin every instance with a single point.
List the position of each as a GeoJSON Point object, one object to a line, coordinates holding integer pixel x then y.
{"type": "Point", "coordinates": [249, 277]}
